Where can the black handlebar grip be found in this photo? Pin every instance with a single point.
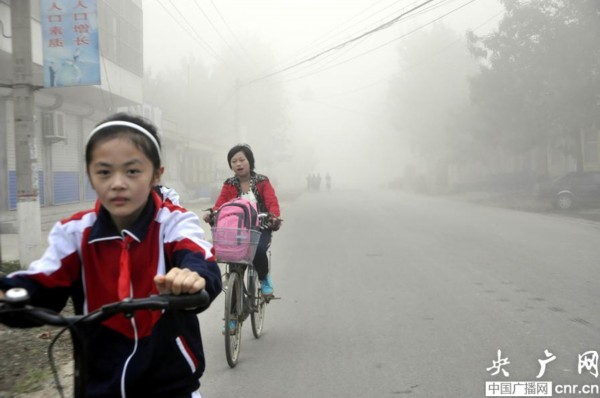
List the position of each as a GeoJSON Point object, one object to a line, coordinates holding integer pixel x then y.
{"type": "Point", "coordinates": [197, 301]}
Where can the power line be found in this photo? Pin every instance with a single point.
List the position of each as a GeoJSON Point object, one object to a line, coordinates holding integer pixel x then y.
{"type": "Point", "coordinates": [421, 11]}
{"type": "Point", "coordinates": [204, 45]}
{"type": "Point", "coordinates": [218, 32]}
{"type": "Point", "coordinates": [346, 50]}
{"type": "Point", "coordinates": [323, 54]}
{"type": "Point", "coordinates": [322, 62]}
{"type": "Point", "coordinates": [232, 33]}
{"type": "Point", "coordinates": [325, 38]}
{"type": "Point", "coordinates": [338, 46]}
{"type": "Point", "coordinates": [432, 7]}
{"type": "Point", "coordinates": [341, 53]}
{"type": "Point", "coordinates": [420, 62]}
{"type": "Point", "coordinates": [386, 43]}
{"type": "Point", "coordinates": [215, 54]}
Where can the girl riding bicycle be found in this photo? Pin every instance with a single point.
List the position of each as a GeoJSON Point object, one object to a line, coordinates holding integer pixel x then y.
{"type": "Point", "coordinates": [246, 183]}
{"type": "Point", "coordinates": [132, 244]}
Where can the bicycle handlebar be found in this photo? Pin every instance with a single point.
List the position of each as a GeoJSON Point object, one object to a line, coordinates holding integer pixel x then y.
{"type": "Point", "coordinates": [17, 298]}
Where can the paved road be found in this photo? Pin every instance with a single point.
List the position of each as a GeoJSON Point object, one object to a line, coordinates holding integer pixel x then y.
{"type": "Point", "coordinates": [388, 294]}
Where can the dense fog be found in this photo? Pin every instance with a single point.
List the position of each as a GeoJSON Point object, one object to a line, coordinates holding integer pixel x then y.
{"type": "Point", "coordinates": [373, 93]}
{"type": "Point", "coordinates": [465, 132]}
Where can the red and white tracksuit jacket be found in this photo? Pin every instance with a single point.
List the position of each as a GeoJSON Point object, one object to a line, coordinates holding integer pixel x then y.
{"type": "Point", "coordinates": [154, 354]}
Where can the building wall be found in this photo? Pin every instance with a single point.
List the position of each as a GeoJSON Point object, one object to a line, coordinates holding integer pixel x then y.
{"type": "Point", "coordinates": [121, 82]}
{"type": "Point", "coordinates": [63, 162]}
{"type": "Point", "coordinates": [190, 165]}
{"type": "Point", "coordinates": [60, 162]}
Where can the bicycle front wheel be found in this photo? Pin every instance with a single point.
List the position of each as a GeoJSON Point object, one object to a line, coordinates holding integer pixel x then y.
{"type": "Point", "coordinates": [233, 316]}
{"type": "Point", "coordinates": [259, 304]}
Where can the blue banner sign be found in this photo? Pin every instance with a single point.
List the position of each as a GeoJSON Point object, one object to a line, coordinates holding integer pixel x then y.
{"type": "Point", "coordinates": [70, 42]}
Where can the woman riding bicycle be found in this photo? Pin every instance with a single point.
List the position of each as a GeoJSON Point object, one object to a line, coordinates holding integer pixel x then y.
{"type": "Point", "coordinates": [247, 184]}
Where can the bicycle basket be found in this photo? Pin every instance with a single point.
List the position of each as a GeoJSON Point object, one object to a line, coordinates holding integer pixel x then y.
{"type": "Point", "coordinates": [235, 245]}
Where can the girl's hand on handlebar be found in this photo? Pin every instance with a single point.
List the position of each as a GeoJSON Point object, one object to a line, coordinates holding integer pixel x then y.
{"type": "Point", "coordinates": [179, 281]}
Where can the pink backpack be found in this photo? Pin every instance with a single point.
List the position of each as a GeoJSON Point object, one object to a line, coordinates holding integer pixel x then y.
{"type": "Point", "coordinates": [235, 233]}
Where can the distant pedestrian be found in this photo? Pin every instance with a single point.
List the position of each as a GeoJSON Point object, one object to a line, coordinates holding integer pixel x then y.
{"type": "Point", "coordinates": [312, 184]}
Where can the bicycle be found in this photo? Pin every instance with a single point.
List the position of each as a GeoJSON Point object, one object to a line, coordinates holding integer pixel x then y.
{"type": "Point", "coordinates": [243, 294]}
{"type": "Point", "coordinates": [16, 304]}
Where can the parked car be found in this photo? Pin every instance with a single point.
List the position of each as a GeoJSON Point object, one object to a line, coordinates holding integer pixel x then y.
{"type": "Point", "coordinates": [572, 189]}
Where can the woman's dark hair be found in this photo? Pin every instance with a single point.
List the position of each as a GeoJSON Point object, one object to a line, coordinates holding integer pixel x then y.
{"type": "Point", "coordinates": [245, 148]}
{"type": "Point", "coordinates": [140, 140]}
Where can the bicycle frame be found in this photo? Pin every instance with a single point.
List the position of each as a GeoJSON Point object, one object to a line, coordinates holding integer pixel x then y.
{"type": "Point", "coordinates": [245, 272]}
{"type": "Point", "coordinates": [243, 298]}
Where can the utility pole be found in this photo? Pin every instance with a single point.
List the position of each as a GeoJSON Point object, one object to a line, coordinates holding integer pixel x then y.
{"type": "Point", "coordinates": [239, 129]}
{"type": "Point", "coordinates": [28, 206]}
{"type": "Point", "coordinates": [236, 117]}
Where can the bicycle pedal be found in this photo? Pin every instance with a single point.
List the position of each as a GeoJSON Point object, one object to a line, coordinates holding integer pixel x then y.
{"type": "Point", "coordinates": [270, 297]}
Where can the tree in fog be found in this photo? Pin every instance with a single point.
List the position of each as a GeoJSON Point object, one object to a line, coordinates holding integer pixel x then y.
{"type": "Point", "coordinates": [182, 94]}
{"type": "Point", "coordinates": [539, 85]}
{"type": "Point", "coordinates": [214, 104]}
{"type": "Point", "coordinates": [262, 117]}
{"type": "Point", "coordinates": [431, 84]}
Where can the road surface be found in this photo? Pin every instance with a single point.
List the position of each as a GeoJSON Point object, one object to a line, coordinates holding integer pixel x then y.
{"type": "Point", "coordinates": [386, 294]}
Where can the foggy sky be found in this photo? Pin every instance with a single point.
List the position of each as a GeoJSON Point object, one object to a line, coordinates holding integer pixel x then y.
{"type": "Point", "coordinates": [337, 103]}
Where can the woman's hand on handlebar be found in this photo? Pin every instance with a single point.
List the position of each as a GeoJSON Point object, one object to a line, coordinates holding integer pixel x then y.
{"type": "Point", "coordinates": [269, 221]}
{"type": "Point", "coordinates": [179, 281]}
{"type": "Point", "coordinates": [275, 222]}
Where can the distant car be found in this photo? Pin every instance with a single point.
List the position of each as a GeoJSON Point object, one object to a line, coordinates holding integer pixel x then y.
{"type": "Point", "coordinates": [572, 189]}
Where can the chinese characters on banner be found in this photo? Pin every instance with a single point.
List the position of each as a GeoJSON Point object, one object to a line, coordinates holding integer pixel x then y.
{"type": "Point", "coordinates": [70, 42]}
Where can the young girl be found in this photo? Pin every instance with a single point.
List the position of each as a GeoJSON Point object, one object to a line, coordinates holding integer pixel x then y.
{"type": "Point", "coordinates": [132, 244]}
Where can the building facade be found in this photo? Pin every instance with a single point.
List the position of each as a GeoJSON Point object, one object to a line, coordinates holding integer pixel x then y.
{"type": "Point", "coordinates": [64, 116]}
